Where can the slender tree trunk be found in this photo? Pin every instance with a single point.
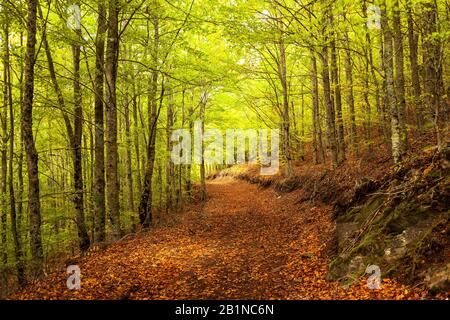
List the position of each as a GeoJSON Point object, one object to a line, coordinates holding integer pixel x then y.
{"type": "Point", "coordinates": [203, 101]}
{"type": "Point", "coordinates": [182, 167]}
{"type": "Point", "coordinates": [34, 204]}
{"type": "Point", "coordinates": [159, 180]}
{"type": "Point", "coordinates": [413, 40]}
{"type": "Point", "coordinates": [21, 148]}
{"type": "Point", "coordinates": [188, 186]}
{"type": "Point", "coordinates": [370, 69]}
{"type": "Point", "coordinates": [302, 131]}
{"type": "Point", "coordinates": [390, 90]}
{"type": "Point", "coordinates": [136, 137]}
{"type": "Point", "coordinates": [331, 125]}
{"type": "Point", "coordinates": [350, 98]}
{"type": "Point", "coordinates": [400, 77]}
{"type": "Point", "coordinates": [317, 136]}
{"type": "Point", "coordinates": [12, 201]}
{"type": "Point", "coordinates": [90, 166]}
{"type": "Point", "coordinates": [78, 200]}
{"type": "Point", "coordinates": [169, 164]}
{"type": "Point", "coordinates": [433, 81]}
{"type": "Point", "coordinates": [129, 172]}
{"type": "Point", "coordinates": [146, 202]}
{"type": "Point", "coordinates": [99, 165]}
{"type": "Point", "coordinates": [282, 71]}
{"type": "Point", "coordinates": [366, 106]}
{"type": "Point", "coordinates": [112, 179]}
{"type": "Point", "coordinates": [337, 101]}
{"type": "Point", "coordinates": [385, 120]}
{"type": "Point", "coordinates": [4, 171]}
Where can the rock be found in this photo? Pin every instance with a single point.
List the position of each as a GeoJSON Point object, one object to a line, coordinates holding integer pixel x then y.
{"type": "Point", "coordinates": [406, 220]}
{"type": "Point", "coordinates": [438, 279]}
{"type": "Point", "coordinates": [344, 232]}
{"type": "Point", "coordinates": [356, 264]}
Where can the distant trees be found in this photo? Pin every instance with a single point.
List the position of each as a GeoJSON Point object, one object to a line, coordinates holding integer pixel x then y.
{"type": "Point", "coordinates": [335, 33]}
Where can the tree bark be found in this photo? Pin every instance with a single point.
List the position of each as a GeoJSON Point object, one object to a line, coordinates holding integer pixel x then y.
{"type": "Point", "coordinates": [203, 101]}
{"type": "Point", "coordinates": [400, 77]}
{"type": "Point", "coordinates": [337, 100]}
{"type": "Point", "coordinates": [317, 133]}
{"type": "Point", "coordinates": [3, 180]}
{"type": "Point", "coordinates": [146, 201]}
{"type": "Point", "coordinates": [350, 98]}
{"type": "Point", "coordinates": [34, 204]}
{"type": "Point", "coordinates": [111, 63]}
{"type": "Point", "coordinates": [78, 199]}
{"type": "Point", "coordinates": [282, 72]}
{"type": "Point", "coordinates": [188, 186]}
{"type": "Point", "coordinates": [413, 40]}
{"type": "Point", "coordinates": [99, 165]}
{"type": "Point", "coordinates": [169, 164]}
{"type": "Point", "coordinates": [136, 132]}
{"type": "Point", "coordinates": [390, 90]}
{"type": "Point", "coordinates": [330, 115]}
{"type": "Point", "coordinates": [433, 81]}
{"type": "Point", "coordinates": [21, 147]}
{"type": "Point", "coordinates": [12, 201]}
{"type": "Point", "coordinates": [129, 172]}
{"type": "Point", "coordinates": [366, 106]}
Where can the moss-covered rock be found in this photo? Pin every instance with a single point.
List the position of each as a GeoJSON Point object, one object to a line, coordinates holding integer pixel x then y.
{"type": "Point", "coordinates": [392, 226]}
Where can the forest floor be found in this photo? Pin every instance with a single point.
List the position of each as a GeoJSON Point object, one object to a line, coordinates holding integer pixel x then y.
{"type": "Point", "coordinates": [245, 242]}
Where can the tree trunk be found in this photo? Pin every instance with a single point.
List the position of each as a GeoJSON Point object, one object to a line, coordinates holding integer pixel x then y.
{"type": "Point", "coordinates": [12, 201]}
{"type": "Point", "coordinates": [112, 179]}
{"type": "Point", "coordinates": [337, 101]}
{"type": "Point", "coordinates": [3, 180]}
{"type": "Point", "coordinates": [366, 106]}
{"type": "Point", "coordinates": [182, 167]}
{"type": "Point", "coordinates": [146, 202]}
{"type": "Point", "coordinates": [21, 147]}
{"type": "Point", "coordinates": [390, 91]}
{"type": "Point", "coordinates": [188, 186]}
{"type": "Point", "coordinates": [400, 77]}
{"type": "Point", "coordinates": [413, 40]}
{"type": "Point", "coordinates": [282, 72]}
{"type": "Point", "coordinates": [129, 172]}
{"type": "Point", "coordinates": [350, 98]}
{"type": "Point", "coordinates": [370, 69]}
{"type": "Point", "coordinates": [330, 116]}
{"type": "Point", "coordinates": [136, 131]}
{"type": "Point", "coordinates": [78, 199]}
{"type": "Point", "coordinates": [433, 82]}
{"type": "Point", "coordinates": [99, 165]}
{"type": "Point", "coordinates": [169, 164]}
{"type": "Point", "coordinates": [203, 101]}
{"type": "Point", "coordinates": [317, 134]}
{"type": "Point", "coordinates": [34, 205]}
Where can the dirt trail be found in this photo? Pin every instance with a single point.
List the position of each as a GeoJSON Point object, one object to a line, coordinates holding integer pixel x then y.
{"type": "Point", "coordinates": [243, 243]}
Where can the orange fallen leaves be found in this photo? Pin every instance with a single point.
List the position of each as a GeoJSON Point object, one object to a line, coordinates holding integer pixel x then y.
{"type": "Point", "coordinates": [238, 246]}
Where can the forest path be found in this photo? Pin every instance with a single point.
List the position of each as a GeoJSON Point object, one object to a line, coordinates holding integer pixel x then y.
{"type": "Point", "coordinates": [243, 243]}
